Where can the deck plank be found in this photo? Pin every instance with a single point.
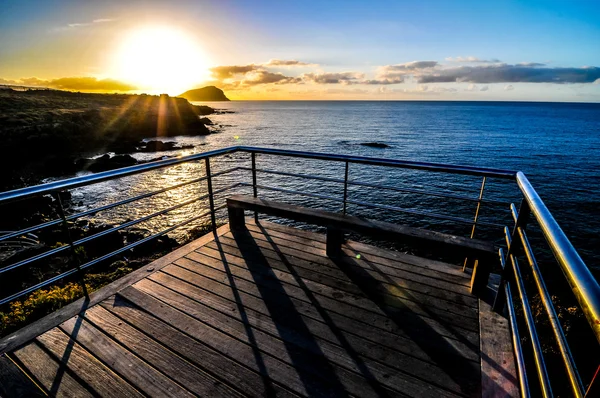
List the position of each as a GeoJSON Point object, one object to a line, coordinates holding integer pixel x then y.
{"type": "Point", "coordinates": [498, 368]}
{"type": "Point", "coordinates": [280, 321]}
{"type": "Point", "coordinates": [405, 302]}
{"type": "Point", "coordinates": [400, 259]}
{"type": "Point", "coordinates": [417, 273]}
{"type": "Point", "coordinates": [48, 372]}
{"type": "Point", "coordinates": [14, 382]}
{"type": "Point", "coordinates": [194, 350]}
{"type": "Point", "coordinates": [247, 354]}
{"type": "Point", "coordinates": [265, 312]}
{"type": "Point", "coordinates": [322, 313]}
{"type": "Point", "coordinates": [161, 358]}
{"type": "Point", "coordinates": [318, 263]}
{"type": "Point", "coordinates": [92, 372]}
{"type": "Point", "coordinates": [435, 298]}
{"type": "Point", "coordinates": [129, 366]}
{"type": "Point", "coordinates": [307, 365]}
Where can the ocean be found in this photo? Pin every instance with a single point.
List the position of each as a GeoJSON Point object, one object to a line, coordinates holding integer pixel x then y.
{"type": "Point", "coordinates": [557, 145]}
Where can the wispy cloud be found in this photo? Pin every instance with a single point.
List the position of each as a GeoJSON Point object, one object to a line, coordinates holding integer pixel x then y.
{"type": "Point", "coordinates": [472, 59]}
{"type": "Point", "coordinates": [76, 25]}
{"type": "Point", "coordinates": [288, 63]}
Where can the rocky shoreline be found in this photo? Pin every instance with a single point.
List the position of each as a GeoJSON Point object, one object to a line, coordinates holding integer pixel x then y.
{"type": "Point", "coordinates": [46, 133]}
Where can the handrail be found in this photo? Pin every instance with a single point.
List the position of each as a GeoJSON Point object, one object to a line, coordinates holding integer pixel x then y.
{"type": "Point", "coordinates": [582, 282]}
{"type": "Point", "coordinates": [76, 182]}
{"type": "Point", "coordinates": [405, 164]}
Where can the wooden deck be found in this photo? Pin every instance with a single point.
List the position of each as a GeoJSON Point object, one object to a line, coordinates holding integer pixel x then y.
{"type": "Point", "coordinates": [267, 313]}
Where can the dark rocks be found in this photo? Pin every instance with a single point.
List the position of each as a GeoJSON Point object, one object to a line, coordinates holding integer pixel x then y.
{"type": "Point", "coordinates": [105, 162]}
{"type": "Point", "coordinates": [206, 120]}
{"type": "Point", "coordinates": [375, 144]}
{"type": "Point", "coordinates": [159, 146]}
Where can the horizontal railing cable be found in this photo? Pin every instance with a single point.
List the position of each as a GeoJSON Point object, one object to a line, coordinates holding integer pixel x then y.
{"type": "Point", "coordinates": [387, 187]}
{"type": "Point", "coordinates": [100, 259]}
{"type": "Point", "coordinates": [110, 206]}
{"type": "Point", "coordinates": [109, 231]}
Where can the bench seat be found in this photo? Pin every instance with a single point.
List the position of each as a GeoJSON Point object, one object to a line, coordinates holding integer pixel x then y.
{"type": "Point", "coordinates": [482, 251]}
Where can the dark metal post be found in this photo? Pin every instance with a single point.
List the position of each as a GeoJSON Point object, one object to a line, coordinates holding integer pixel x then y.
{"type": "Point", "coordinates": [521, 222]}
{"type": "Point", "coordinates": [475, 218]}
{"type": "Point", "coordinates": [345, 187]}
{"type": "Point", "coordinates": [74, 256]}
{"type": "Point", "coordinates": [211, 200]}
{"type": "Point", "coordinates": [254, 190]}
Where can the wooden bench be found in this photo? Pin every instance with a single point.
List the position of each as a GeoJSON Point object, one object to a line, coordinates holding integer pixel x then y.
{"type": "Point", "coordinates": [483, 252]}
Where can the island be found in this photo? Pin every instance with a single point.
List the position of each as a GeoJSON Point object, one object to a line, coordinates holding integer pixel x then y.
{"type": "Point", "coordinates": [209, 93]}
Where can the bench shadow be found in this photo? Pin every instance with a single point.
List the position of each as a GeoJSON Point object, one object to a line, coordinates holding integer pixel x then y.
{"type": "Point", "coordinates": [309, 360]}
{"type": "Point", "coordinates": [464, 372]}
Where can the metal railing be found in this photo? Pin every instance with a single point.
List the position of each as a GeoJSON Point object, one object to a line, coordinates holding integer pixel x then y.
{"type": "Point", "coordinates": [581, 281]}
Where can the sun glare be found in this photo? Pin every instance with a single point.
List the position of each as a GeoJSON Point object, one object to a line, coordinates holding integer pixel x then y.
{"type": "Point", "coordinates": [160, 60]}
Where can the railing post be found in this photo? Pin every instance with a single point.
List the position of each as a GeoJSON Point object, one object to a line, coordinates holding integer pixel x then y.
{"type": "Point", "coordinates": [345, 187]}
{"type": "Point", "coordinates": [211, 200]}
{"type": "Point", "coordinates": [465, 265]}
{"type": "Point", "coordinates": [254, 190]}
{"type": "Point", "coordinates": [520, 222]}
{"type": "Point", "coordinates": [74, 256]}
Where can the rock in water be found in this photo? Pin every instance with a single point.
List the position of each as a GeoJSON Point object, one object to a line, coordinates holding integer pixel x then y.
{"type": "Point", "coordinates": [375, 144]}
{"type": "Point", "coordinates": [209, 93]}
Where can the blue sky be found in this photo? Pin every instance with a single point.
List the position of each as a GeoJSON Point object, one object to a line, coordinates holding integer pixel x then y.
{"type": "Point", "coordinates": [56, 39]}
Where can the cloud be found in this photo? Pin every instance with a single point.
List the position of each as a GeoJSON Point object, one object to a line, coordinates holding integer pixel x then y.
{"type": "Point", "coordinates": [226, 72]}
{"type": "Point", "coordinates": [266, 77]}
{"type": "Point", "coordinates": [289, 63]}
{"type": "Point", "coordinates": [410, 66]}
{"type": "Point", "coordinates": [249, 75]}
{"type": "Point", "coordinates": [394, 74]}
{"type": "Point", "coordinates": [530, 64]}
{"type": "Point", "coordinates": [503, 73]}
{"type": "Point", "coordinates": [333, 78]}
{"type": "Point", "coordinates": [473, 60]}
{"type": "Point", "coordinates": [81, 24]}
{"type": "Point", "coordinates": [73, 83]}
{"type": "Point", "coordinates": [384, 81]}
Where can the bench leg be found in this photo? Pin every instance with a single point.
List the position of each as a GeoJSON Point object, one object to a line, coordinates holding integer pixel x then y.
{"type": "Point", "coordinates": [480, 277]}
{"type": "Point", "coordinates": [335, 238]}
{"type": "Point", "coordinates": [236, 218]}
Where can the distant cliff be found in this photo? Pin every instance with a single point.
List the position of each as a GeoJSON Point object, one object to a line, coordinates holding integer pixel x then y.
{"type": "Point", "coordinates": [209, 93]}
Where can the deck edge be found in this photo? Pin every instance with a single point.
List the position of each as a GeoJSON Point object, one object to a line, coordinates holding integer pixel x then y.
{"type": "Point", "coordinates": [31, 331]}
{"type": "Point", "coordinates": [498, 369]}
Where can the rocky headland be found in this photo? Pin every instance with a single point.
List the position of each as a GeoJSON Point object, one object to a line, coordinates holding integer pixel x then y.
{"type": "Point", "coordinates": [47, 133]}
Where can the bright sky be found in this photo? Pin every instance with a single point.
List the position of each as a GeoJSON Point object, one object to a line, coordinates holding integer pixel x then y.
{"type": "Point", "coordinates": [546, 50]}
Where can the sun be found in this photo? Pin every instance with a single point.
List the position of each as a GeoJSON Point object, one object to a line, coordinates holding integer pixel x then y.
{"type": "Point", "coordinates": [160, 60]}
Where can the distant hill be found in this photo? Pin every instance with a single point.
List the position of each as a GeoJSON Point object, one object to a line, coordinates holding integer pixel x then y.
{"type": "Point", "coordinates": [209, 93]}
